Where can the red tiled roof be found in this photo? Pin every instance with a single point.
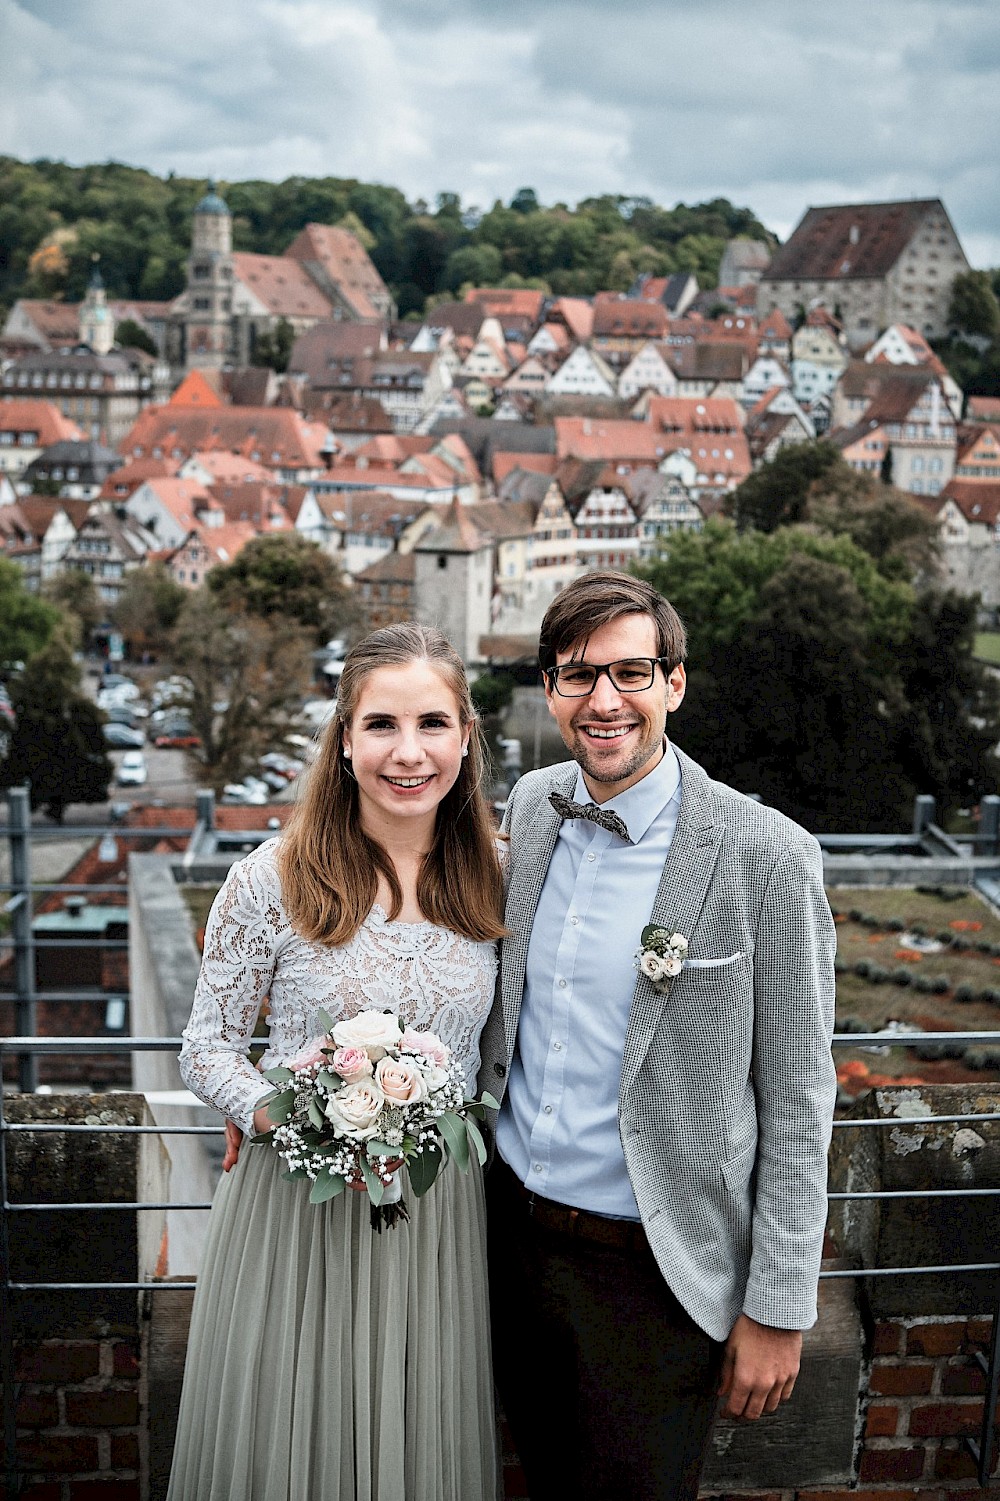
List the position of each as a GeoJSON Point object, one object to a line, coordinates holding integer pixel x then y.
{"type": "Point", "coordinates": [519, 302]}
{"type": "Point", "coordinates": [341, 257]}
{"type": "Point", "coordinates": [283, 285]}
{"type": "Point", "coordinates": [849, 240]}
{"type": "Point", "coordinates": [230, 468]}
{"type": "Point", "coordinates": [196, 390]}
{"type": "Point", "coordinates": [982, 409]}
{"type": "Point", "coordinates": [123, 482]}
{"type": "Point", "coordinates": [277, 437]}
{"type": "Point", "coordinates": [57, 322]}
{"type": "Point", "coordinates": [611, 440]}
{"type": "Point", "coordinates": [537, 463]}
{"type": "Point", "coordinates": [266, 505]}
{"type": "Point", "coordinates": [694, 414]}
{"type": "Point", "coordinates": [628, 317]}
{"type": "Point", "coordinates": [978, 502]}
{"type": "Point", "coordinates": [775, 326]}
{"type": "Point", "coordinates": [24, 415]}
{"type": "Point", "coordinates": [578, 315]}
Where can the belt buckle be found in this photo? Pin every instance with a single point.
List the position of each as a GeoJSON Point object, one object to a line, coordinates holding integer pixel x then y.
{"type": "Point", "coordinates": [572, 1226]}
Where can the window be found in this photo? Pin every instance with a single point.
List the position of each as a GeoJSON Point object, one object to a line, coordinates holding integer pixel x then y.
{"type": "Point", "coordinates": [442, 561]}
{"type": "Point", "coordinates": [918, 464]}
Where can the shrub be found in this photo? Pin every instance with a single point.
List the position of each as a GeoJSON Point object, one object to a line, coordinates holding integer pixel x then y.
{"type": "Point", "coordinates": [877, 974]}
{"type": "Point", "coordinates": [959, 944]}
{"type": "Point", "coordinates": [896, 925]}
{"type": "Point", "coordinates": [977, 1058]}
{"type": "Point", "coordinates": [855, 914]}
{"type": "Point", "coordinates": [940, 985]}
{"type": "Point", "coordinates": [929, 1050]}
{"type": "Point", "coordinates": [863, 968]}
{"type": "Point", "coordinates": [923, 983]}
{"type": "Point", "coordinates": [851, 1023]}
{"type": "Point", "coordinates": [964, 995]}
{"type": "Point", "coordinates": [918, 930]}
{"type": "Point", "coordinates": [901, 976]}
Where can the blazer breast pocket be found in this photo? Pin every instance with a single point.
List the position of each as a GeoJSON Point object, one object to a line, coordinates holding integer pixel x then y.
{"type": "Point", "coordinates": [720, 963]}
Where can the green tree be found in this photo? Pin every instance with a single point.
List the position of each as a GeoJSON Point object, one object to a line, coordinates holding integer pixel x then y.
{"type": "Point", "coordinates": [57, 744]}
{"type": "Point", "coordinates": [147, 609]}
{"type": "Point", "coordinates": [131, 335]}
{"type": "Point", "coordinates": [73, 592]}
{"type": "Point", "coordinates": [885, 523]}
{"type": "Point", "coordinates": [273, 349]}
{"type": "Point", "coordinates": [973, 308]}
{"type": "Point", "coordinates": [777, 493]}
{"type": "Point", "coordinates": [247, 675]}
{"type": "Point", "coordinates": [26, 622]}
{"type": "Point", "coordinates": [285, 576]}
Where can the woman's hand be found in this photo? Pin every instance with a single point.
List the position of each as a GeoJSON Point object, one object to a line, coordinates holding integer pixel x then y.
{"type": "Point", "coordinates": [234, 1140]}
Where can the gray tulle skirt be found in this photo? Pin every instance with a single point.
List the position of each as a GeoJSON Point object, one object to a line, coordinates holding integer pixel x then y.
{"type": "Point", "coordinates": [329, 1363]}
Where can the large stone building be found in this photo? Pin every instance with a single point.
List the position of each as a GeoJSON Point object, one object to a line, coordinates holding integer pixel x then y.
{"type": "Point", "coordinates": [871, 264]}
{"type": "Point", "coordinates": [235, 298]}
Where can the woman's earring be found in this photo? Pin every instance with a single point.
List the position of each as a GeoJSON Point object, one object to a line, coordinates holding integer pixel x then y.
{"type": "Point", "coordinates": [347, 754]}
{"type": "Point", "coordinates": [465, 750]}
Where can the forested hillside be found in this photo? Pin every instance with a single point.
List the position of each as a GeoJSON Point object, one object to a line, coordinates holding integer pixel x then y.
{"type": "Point", "coordinates": [54, 218]}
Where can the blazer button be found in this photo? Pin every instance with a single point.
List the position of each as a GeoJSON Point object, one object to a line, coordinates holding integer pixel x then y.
{"type": "Point", "coordinates": [499, 1069]}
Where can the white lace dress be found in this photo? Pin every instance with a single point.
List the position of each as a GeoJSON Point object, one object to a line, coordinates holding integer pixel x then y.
{"type": "Point", "coordinates": [324, 1360]}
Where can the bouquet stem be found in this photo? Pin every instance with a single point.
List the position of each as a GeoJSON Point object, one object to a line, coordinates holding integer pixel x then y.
{"type": "Point", "coordinates": [392, 1208]}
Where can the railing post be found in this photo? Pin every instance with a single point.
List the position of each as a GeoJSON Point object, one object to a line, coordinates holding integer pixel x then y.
{"type": "Point", "coordinates": [20, 907]}
{"type": "Point", "coordinates": [924, 810]}
{"type": "Point", "coordinates": [204, 805]}
{"type": "Point", "coordinates": [988, 842]}
{"type": "Point", "coordinates": [6, 1324]}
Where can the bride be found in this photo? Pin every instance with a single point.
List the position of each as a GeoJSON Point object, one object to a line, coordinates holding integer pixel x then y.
{"type": "Point", "coordinates": [325, 1360]}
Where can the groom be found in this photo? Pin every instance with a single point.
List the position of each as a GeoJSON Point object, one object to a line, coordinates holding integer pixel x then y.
{"type": "Point", "coordinates": [657, 1201]}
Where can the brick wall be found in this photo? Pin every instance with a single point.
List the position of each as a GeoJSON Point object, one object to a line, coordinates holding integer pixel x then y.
{"type": "Point", "coordinates": [924, 1393]}
{"type": "Point", "coordinates": [79, 1419]}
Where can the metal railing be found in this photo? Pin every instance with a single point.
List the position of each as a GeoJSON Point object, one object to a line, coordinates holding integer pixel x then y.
{"type": "Point", "coordinates": [981, 1447]}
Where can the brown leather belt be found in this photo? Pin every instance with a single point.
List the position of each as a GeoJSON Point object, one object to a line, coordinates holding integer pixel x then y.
{"type": "Point", "coordinates": [620, 1235]}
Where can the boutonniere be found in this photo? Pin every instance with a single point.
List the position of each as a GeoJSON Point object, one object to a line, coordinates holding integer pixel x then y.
{"type": "Point", "coordinates": [661, 956]}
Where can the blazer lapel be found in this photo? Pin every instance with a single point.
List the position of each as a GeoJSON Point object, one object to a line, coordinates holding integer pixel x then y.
{"type": "Point", "coordinates": [527, 877]}
{"type": "Point", "coordinates": [687, 874]}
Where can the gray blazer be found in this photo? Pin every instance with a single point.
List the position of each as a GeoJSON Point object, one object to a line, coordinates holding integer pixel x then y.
{"type": "Point", "coordinates": [728, 1083]}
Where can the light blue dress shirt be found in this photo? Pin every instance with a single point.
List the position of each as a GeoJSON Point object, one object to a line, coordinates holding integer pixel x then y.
{"type": "Point", "coordinates": [558, 1128]}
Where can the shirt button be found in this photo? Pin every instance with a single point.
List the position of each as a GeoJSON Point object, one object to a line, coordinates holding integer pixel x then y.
{"type": "Point", "coordinates": [556, 1046]}
{"type": "Point", "coordinates": [574, 921]}
{"type": "Point", "coordinates": [547, 1109]}
{"type": "Point", "coordinates": [562, 984]}
{"type": "Point", "coordinates": [538, 1167]}
{"type": "Point", "coordinates": [591, 857]}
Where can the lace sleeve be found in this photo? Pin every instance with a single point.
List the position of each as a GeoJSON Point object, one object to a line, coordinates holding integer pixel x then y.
{"type": "Point", "coordinates": [236, 972]}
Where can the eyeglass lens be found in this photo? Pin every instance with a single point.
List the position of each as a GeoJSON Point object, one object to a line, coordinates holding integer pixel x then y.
{"type": "Point", "coordinates": [577, 679]}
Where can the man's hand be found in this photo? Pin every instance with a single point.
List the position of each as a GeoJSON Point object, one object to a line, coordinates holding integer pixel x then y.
{"type": "Point", "coordinates": [759, 1368]}
{"type": "Point", "coordinates": [234, 1140]}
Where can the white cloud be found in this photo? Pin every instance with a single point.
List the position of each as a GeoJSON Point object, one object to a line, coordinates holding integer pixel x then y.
{"type": "Point", "coordinates": [776, 105]}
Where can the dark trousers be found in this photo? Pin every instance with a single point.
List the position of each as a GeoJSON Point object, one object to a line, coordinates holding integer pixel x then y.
{"type": "Point", "coordinates": [607, 1383]}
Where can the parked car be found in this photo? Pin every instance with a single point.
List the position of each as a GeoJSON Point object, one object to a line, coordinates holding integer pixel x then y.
{"type": "Point", "coordinates": [132, 772]}
{"type": "Point", "coordinates": [251, 791]}
{"type": "Point", "coordinates": [121, 737]}
{"type": "Point", "coordinates": [119, 692]}
{"type": "Point", "coordinates": [177, 740]}
{"type": "Point", "coordinates": [286, 767]}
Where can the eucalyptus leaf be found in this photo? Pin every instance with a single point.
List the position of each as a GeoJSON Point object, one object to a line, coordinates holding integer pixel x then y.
{"type": "Point", "coordinates": [279, 1075]}
{"type": "Point", "coordinates": [476, 1137]}
{"type": "Point", "coordinates": [316, 1114]}
{"type": "Point", "coordinates": [327, 1186]}
{"type": "Point", "coordinates": [330, 1082]}
{"type": "Point", "coordinates": [295, 1172]}
{"type": "Point", "coordinates": [487, 1099]}
{"type": "Point", "coordinates": [280, 1107]}
{"type": "Point", "coordinates": [325, 1020]}
{"type": "Point", "coordinates": [423, 1168]}
{"type": "Point", "coordinates": [382, 1149]}
{"type": "Point", "coordinates": [452, 1128]}
{"type": "Point", "coordinates": [374, 1184]}
{"type": "Point", "coordinates": [262, 1139]}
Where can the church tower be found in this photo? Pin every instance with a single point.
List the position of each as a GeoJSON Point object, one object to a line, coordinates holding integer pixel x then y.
{"type": "Point", "coordinates": [209, 297]}
{"type": "Point", "coordinates": [97, 326]}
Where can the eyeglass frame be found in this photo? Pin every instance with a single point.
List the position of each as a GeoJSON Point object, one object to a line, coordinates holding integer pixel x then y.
{"type": "Point", "coordinates": [599, 669]}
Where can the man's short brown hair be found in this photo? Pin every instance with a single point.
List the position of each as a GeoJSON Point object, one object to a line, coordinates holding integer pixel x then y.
{"type": "Point", "coordinates": [595, 599]}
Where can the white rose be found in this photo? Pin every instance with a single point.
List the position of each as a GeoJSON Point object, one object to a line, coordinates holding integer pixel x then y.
{"type": "Point", "coordinates": [356, 1109]}
{"type": "Point", "coordinates": [372, 1030]}
{"type": "Point", "coordinates": [649, 963]}
{"type": "Point", "coordinates": [679, 942]}
{"type": "Point", "coordinates": [401, 1081]}
{"type": "Point", "coordinates": [434, 1077]}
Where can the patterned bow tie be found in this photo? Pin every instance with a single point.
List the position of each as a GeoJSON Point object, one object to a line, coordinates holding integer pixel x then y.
{"type": "Point", "coordinates": [567, 808]}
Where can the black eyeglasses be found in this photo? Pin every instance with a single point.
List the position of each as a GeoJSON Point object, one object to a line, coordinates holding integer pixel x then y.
{"type": "Point", "coordinates": [630, 675]}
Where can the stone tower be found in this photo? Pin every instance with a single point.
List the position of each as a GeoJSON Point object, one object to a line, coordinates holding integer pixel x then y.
{"type": "Point", "coordinates": [209, 297]}
{"type": "Point", "coordinates": [97, 325]}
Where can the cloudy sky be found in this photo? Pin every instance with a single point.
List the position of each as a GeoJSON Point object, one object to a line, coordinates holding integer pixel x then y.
{"type": "Point", "coordinates": [776, 104]}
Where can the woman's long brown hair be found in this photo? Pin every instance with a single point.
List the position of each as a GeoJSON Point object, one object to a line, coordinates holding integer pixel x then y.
{"type": "Point", "coordinates": [329, 866]}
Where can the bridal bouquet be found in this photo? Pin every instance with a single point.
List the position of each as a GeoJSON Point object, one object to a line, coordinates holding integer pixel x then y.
{"type": "Point", "coordinates": [367, 1099]}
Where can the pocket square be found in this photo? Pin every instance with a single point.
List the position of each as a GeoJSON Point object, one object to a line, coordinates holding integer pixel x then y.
{"type": "Point", "coordinates": [713, 963]}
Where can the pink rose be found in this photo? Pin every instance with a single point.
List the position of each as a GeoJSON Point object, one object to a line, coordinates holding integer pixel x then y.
{"type": "Point", "coordinates": [311, 1054]}
{"type": "Point", "coordinates": [426, 1043]}
{"type": "Point", "coordinates": [401, 1082]}
{"type": "Point", "coordinates": [352, 1064]}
